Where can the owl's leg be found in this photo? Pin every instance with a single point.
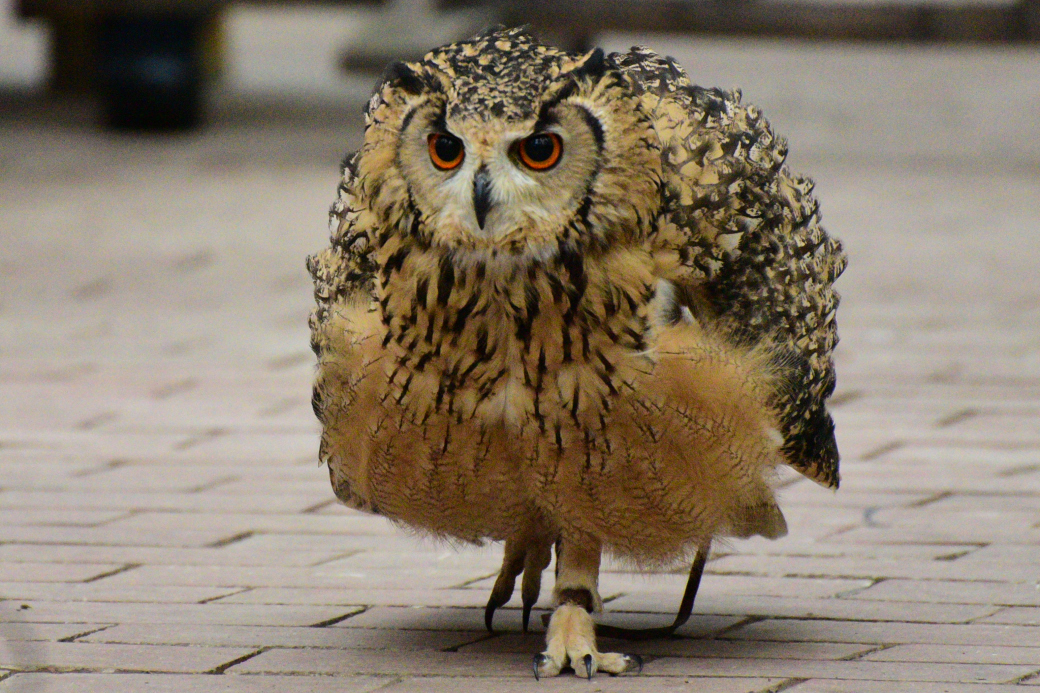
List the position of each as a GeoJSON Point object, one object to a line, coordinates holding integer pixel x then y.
{"type": "Point", "coordinates": [538, 557]}
{"type": "Point", "coordinates": [530, 554]}
{"type": "Point", "coordinates": [571, 638]}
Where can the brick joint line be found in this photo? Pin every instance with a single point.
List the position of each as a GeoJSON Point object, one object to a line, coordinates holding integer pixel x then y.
{"type": "Point", "coordinates": [319, 506]}
{"type": "Point", "coordinates": [750, 620]}
{"type": "Point", "coordinates": [935, 498]}
{"type": "Point", "coordinates": [233, 539]}
{"type": "Point", "coordinates": [338, 619]}
{"type": "Point", "coordinates": [1025, 679]}
{"type": "Point", "coordinates": [106, 467]}
{"type": "Point", "coordinates": [866, 653]}
{"type": "Point", "coordinates": [882, 450]}
{"type": "Point", "coordinates": [959, 416]}
{"type": "Point", "coordinates": [473, 581]}
{"type": "Point", "coordinates": [77, 636]}
{"type": "Point", "coordinates": [225, 596]}
{"type": "Point", "coordinates": [783, 685]}
{"type": "Point", "coordinates": [122, 569]}
{"type": "Point", "coordinates": [483, 638]}
{"type": "Point", "coordinates": [238, 660]}
{"type": "Point", "coordinates": [212, 484]}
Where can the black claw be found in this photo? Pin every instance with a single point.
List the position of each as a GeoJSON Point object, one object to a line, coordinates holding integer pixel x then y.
{"type": "Point", "coordinates": [588, 665]}
{"type": "Point", "coordinates": [489, 611]}
{"type": "Point", "coordinates": [639, 663]}
{"type": "Point", "coordinates": [527, 614]}
{"type": "Point", "coordinates": [538, 659]}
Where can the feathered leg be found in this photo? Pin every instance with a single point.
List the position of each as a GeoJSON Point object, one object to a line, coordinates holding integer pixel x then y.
{"type": "Point", "coordinates": [530, 554]}
{"type": "Point", "coordinates": [571, 638]}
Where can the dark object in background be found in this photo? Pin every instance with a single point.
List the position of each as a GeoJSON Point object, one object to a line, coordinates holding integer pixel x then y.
{"type": "Point", "coordinates": [151, 74]}
{"type": "Point", "coordinates": [148, 62]}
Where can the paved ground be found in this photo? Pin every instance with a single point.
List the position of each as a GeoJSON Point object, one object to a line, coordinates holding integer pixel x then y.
{"type": "Point", "coordinates": [164, 524]}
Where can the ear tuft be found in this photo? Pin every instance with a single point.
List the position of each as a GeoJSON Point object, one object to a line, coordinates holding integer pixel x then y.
{"type": "Point", "coordinates": [592, 66]}
{"type": "Point", "coordinates": [405, 76]}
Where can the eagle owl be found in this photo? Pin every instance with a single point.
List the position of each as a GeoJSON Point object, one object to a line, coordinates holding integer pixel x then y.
{"type": "Point", "coordinates": [572, 302]}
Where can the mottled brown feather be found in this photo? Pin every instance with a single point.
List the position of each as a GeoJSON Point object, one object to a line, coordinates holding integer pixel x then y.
{"type": "Point", "coordinates": [543, 382]}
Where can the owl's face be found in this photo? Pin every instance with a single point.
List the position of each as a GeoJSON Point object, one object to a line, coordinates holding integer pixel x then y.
{"type": "Point", "coordinates": [499, 180]}
{"type": "Point", "coordinates": [502, 144]}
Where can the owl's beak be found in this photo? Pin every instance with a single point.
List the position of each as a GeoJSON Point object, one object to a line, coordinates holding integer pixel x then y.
{"type": "Point", "coordinates": [481, 195]}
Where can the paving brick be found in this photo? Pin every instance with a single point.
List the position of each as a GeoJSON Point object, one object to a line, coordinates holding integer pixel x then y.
{"type": "Point", "coordinates": [154, 401]}
{"type": "Point", "coordinates": [904, 672]}
{"type": "Point", "coordinates": [947, 566]}
{"type": "Point", "coordinates": [954, 592]}
{"type": "Point", "coordinates": [375, 662]}
{"type": "Point", "coordinates": [184, 502]}
{"type": "Point", "coordinates": [734, 585]}
{"type": "Point", "coordinates": [844, 686]}
{"type": "Point", "coordinates": [1018, 615]}
{"type": "Point", "coordinates": [842, 609]}
{"type": "Point", "coordinates": [882, 632]}
{"type": "Point", "coordinates": [178, 683]}
{"type": "Point", "coordinates": [326, 575]}
{"type": "Point", "coordinates": [976, 654]}
{"type": "Point", "coordinates": [101, 591]}
{"type": "Point", "coordinates": [206, 614]}
{"type": "Point", "coordinates": [79, 656]}
{"type": "Point", "coordinates": [568, 682]}
{"type": "Point", "coordinates": [59, 518]}
{"type": "Point", "coordinates": [11, 631]}
{"type": "Point", "coordinates": [421, 618]}
{"type": "Point", "coordinates": [112, 536]}
{"type": "Point", "coordinates": [163, 556]}
{"type": "Point", "coordinates": [697, 648]}
{"type": "Point", "coordinates": [284, 636]}
{"type": "Point", "coordinates": [407, 597]}
{"type": "Point", "coordinates": [54, 572]}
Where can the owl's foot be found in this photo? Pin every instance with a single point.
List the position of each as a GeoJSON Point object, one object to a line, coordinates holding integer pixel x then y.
{"type": "Point", "coordinates": [530, 556]}
{"type": "Point", "coordinates": [571, 639]}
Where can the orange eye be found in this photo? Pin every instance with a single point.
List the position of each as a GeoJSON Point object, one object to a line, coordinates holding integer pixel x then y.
{"type": "Point", "coordinates": [446, 151]}
{"type": "Point", "coordinates": [541, 151]}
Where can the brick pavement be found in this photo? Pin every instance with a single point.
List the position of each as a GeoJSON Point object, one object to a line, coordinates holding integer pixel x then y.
{"type": "Point", "coordinates": [164, 524]}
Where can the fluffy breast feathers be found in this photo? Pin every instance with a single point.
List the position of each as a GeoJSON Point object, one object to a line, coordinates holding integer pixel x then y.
{"type": "Point", "coordinates": [656, 366]}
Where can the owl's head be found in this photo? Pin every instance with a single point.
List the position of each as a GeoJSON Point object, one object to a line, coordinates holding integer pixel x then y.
{"type": "Point", "coordinates": [501, 144]}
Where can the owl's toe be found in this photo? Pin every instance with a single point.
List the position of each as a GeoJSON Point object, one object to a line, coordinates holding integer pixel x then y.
{"type": "Point", "coordinates": [614, 663]}
{"type": "Point", "coordinates": [571, 641]}
{"type": "Point", "coordinates": [526, 555]}
{"type": "Point", "coordinates": [544, 665]}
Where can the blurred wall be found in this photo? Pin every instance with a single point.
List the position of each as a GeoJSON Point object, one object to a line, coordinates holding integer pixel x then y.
{"type": "Point", "coordinates": [23, 50]}
{"type": "Point", "coordinates": [292, 51]}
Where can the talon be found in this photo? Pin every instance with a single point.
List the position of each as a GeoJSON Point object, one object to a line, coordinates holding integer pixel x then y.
{"type": "Point", "coordinates": [536, 560]}
{"type": "Point", "coordinates": [489, 611]}
{"type": "Point", "coordinates": [539, 659]}
{"type": "Point", "coordinates": [634, 662]}
{"type": "Point", "coordinates": [588, 666]}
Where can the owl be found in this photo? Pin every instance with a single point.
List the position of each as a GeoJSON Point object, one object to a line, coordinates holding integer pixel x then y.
{"type": "Point", "coordinates": [577, 304]}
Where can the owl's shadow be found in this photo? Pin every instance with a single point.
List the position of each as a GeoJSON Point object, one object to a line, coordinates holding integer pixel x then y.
{"type": "Point", "coordinates": [459, 630]}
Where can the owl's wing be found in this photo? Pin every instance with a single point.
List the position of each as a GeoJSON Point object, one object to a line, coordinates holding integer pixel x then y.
{"type": "Point", "coordinates": [740, 235]}
{"type": "Point", "coordinates": [346, 270]}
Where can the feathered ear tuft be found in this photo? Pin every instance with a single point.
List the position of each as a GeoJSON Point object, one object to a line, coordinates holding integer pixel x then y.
{"type": "Point", "coordinates": [405, 76]}
{"type": "Point", "coordinates": [592, 66]}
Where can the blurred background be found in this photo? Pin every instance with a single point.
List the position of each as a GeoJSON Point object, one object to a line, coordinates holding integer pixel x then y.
{"type": "Point", "coordinates": [168, 64]}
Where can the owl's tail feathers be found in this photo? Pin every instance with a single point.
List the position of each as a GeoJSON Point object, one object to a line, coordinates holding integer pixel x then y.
{"type": "Point", "coordinates": [764, 519]}
{"type": "Point", "coordinates": [730, 429]}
